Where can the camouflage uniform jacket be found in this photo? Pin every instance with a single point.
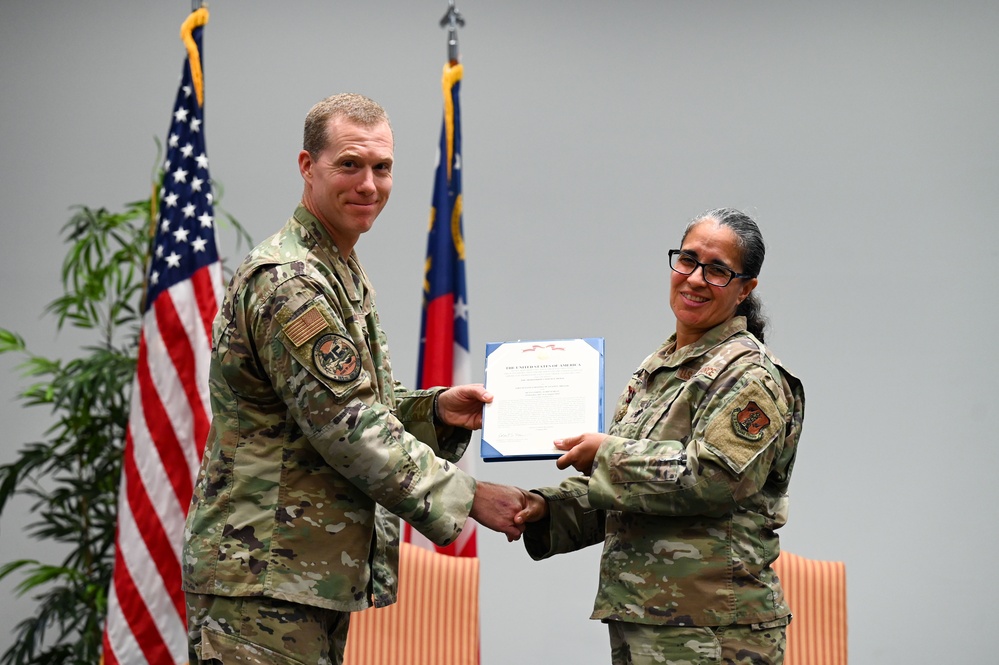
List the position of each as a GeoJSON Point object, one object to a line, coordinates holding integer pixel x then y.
{"type": "Point", "coordinates": [688, 488]}
{"type": "Point", "coordinates": [312, 439]}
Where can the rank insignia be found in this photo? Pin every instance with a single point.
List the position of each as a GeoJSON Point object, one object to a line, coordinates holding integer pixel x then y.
{"type": "Point", "coordinates": [336, 358]}
{"type": "Point", "coordinates": [750, 422]}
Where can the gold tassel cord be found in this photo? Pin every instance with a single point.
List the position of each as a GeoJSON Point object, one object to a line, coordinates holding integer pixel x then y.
{"type": "Point", "coordinates": [459, 240]}
{"type": "Point", "coordinates": [198, 18]}
{"type": "Point", "coordinates": [452, 74]}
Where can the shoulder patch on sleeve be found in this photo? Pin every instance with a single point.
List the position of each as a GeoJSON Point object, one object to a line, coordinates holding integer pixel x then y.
{"type": "Point", "coordinates": [336, 358]}
{"type": "Point", "coordinates": [301, 328]}
{"type": "Point", "coordinates": [750, 422]}
{"type": "Point", "coordinates": [744, 427]}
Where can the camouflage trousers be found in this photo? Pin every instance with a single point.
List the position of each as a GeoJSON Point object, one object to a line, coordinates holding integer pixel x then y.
{"type": "Point", "coordinates": [640, 644]}
{"type": "Point", "coordinates": [264, 631]}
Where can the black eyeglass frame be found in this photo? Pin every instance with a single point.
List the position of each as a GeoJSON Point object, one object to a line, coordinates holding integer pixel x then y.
{"type": "Point", "coordinates": [731, 273]}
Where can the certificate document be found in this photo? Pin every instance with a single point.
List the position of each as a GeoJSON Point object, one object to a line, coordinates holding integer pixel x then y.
{"type": "Point", "coordinates": [542, 391]}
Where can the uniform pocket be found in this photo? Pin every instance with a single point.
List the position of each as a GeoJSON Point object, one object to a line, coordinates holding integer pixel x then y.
{"type": "Point", "coordinates": [218, 647]}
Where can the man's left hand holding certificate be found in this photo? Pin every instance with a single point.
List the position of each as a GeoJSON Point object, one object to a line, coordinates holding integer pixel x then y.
{"type": "Point", "coordinates": [542, 391]}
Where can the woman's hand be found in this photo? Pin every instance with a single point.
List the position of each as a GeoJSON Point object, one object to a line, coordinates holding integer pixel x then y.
{"type": "Point", "coordinates": [534, 508]}
{"type": "Point", "coordinates": [582, 450]}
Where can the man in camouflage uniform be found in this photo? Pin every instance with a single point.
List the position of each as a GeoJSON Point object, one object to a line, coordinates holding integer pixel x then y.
{"type": "Point", "coordinates": [686, 492]}
{"type": "Point", "coordinates": [314, 449]}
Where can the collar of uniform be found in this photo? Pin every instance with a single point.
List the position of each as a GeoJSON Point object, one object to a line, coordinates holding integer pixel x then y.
{"type": "Point", "coordinates": [348, 268]}
{"type": "Point", "coordinates": [669, 356]}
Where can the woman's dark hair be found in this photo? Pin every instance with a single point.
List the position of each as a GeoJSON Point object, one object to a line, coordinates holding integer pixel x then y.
{"type": "Point", "coordinates": [753, 251]}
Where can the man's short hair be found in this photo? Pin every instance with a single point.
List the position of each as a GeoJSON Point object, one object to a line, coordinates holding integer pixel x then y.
{"type": "Point", "coordinates": [348, 105]}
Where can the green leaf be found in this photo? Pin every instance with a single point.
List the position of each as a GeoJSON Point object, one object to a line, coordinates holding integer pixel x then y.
{"type": "Point", "coordinates": [10, 341]}
{"type": "Point", "coordinates": [10, 567]}
{"type": "Point", "coordinates": [71, 478]}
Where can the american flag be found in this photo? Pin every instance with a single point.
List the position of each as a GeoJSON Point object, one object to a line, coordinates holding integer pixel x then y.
{"type": "Point", "coordinates": [444, 357]}
{"type": "Point", "coordinates": [170, 412]}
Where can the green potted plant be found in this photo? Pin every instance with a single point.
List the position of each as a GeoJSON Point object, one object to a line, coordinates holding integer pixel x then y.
{"type": "Point", "coordinates": [72, 477]}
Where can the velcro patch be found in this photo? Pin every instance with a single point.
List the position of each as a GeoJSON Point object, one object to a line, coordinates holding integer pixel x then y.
{"type": "Point", "coordinates": [301, 329]}
{"type": "Point", "coordinates": [628, 468]}
{"type": "Point", "coordinates": [336, 358]}
{"type": "Point", "coordinates": [744, 427]}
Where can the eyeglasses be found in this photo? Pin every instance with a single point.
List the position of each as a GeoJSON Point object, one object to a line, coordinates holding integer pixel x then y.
{"type": "Point", "coordinates": [714, 274]}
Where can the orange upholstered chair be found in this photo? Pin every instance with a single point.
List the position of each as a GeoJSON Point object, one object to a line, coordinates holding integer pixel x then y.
{"type": "Point", "coordinates": [434, 622]}
{"type": "Point", "coordinates": [816, 592]}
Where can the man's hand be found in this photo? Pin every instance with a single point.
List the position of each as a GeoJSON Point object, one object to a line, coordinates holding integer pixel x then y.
{"type": "Point", "coordinates": [496, 506]}
{"type": "Point", "coordinates": [461, 406]}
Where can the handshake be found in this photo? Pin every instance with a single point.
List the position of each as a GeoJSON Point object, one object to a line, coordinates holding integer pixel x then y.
{"type": "Point", "coordinates": [506, 509]}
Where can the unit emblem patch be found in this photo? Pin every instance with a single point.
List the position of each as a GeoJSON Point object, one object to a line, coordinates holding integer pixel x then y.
{"type": "Point", "coordinates": [336, 358]}
{"type": "Point", "coordinates": [750, 422]}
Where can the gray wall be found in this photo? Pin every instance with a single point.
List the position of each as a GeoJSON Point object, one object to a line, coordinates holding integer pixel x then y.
{"type": "Point", "coordinates": [862, 135]}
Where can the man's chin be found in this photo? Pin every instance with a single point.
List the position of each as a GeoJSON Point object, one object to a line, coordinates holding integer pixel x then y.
{"type": "Point", "coordinates": [366, 221]}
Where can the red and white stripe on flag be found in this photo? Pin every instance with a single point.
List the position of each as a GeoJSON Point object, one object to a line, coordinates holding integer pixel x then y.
{"type": "Point", "coordinates": [169, 413]}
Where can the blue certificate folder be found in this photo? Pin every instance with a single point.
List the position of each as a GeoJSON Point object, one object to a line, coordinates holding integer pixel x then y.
{"type": "Point", "coordinates": [542, 390]}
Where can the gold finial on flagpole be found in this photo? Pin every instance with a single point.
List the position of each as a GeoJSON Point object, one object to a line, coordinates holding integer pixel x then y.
{"type": "Point", "coordinates": [452, 20]}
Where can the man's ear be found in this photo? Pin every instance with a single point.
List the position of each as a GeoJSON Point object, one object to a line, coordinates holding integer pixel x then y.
{"type": "Point", "coordinates": [305, 165]}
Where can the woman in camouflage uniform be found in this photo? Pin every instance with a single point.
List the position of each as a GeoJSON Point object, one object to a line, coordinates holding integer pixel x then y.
{"type": "Point", "coordinates": [689, 485]}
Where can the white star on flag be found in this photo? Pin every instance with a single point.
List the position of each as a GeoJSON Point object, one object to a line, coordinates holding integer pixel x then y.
{"type": "Point", "coordinates": [460, 309]}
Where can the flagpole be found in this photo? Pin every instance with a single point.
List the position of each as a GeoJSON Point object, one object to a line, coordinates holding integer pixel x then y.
{"type": "Point", "coordinates": [452, 20]}
{"type": "Point", "coordinates": [453, 71]}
